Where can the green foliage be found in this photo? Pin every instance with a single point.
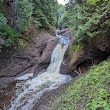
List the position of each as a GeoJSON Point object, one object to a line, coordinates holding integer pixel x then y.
{"type": "Point", "coordinates": [24, 10]}
{"type": "Point", "coordinates": [9, 35]}
{"type": "Point", "coordinates": [88, 18]}
{"type": "Point", "coordinates": [88, 92]}
{"type": "Point", "coordinates": [45, 13]}
{"type": "Point", "coordinates": [1, 1]}
{"type": "Point", "coordinates": [63, 20]}
{"type": "Point", "coordinates": [12, 38]}
{"type": "Point", "coordinates": [60, 15]}
{"type": "Point", "coordinates": [2, 20]}
{"type": "Point", "coordinates": [38, 13]}
{"type": "Point", "coordinates": [75, 48]}
{"type": "Point", "coordinates": [22, 43]}
{"type": "Point", "coordinates": [94, 1]}
{"type": "Point", "coordinates": [98, 103]}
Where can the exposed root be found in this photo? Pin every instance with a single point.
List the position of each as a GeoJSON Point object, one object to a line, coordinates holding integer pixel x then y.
{"type": "Point", "coordinates": [77, 72]}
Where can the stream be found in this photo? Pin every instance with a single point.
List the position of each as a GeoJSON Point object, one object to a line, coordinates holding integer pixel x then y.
{"type": "Point", "coordinates": [30, 89]}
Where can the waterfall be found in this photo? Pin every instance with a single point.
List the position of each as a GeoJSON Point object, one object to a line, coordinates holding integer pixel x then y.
{"type": "Point", "coordinates": [56, 59]}
{"type": "Point", "coordinates": [29, 91]}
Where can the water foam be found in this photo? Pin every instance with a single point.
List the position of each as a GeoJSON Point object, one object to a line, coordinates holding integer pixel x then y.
{"type": "Point", "coordinates": [29, 91]}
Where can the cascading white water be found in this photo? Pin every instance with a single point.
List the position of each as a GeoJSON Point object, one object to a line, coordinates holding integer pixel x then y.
{"type": "Point", "coordinates": [29, 91]}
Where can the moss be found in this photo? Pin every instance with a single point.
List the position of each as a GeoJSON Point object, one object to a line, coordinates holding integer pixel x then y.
{"type": "Point", "coordinates": [75, 48]}
{"type": "Point", "coordinates": [89, 92]}
{"type": "Point", "coordinates": [22, 43]}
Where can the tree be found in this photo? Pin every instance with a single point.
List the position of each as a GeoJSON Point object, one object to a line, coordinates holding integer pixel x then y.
{"type": "Point", "coordinates": [45, 12]}
{"type": "Point", "coordinates": [89, 19]}
{"type": "Point", "coordinates": [38, 13]}
{"type": "Point", "coordinates": [24, 10]}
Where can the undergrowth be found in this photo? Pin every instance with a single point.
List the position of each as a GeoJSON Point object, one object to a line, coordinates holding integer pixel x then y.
{"type": "Point", "coordinates": [75, 48]}
{"type": "Point", "coordinates": [90, 91]}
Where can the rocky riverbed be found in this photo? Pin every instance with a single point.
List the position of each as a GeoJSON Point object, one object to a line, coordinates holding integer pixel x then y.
{"type": "Point", "coordinates": [34, 58]}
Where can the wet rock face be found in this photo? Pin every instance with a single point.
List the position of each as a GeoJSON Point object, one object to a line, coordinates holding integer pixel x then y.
{"type": "Point", "coordinates": [65, 64]}
{"type": "Point", "coordinates": [82, 59]}
{"type": "Point", "coordinates": [47, 51]}
{"type": "Point", "coordinates": [104, 44]}
{"type": "Point", "coordinates": [68, 33]}
{"type": "Point", "coordinates": [77, 58]}
{"type": "Point", "coordinates": [37, 54]}
{"type": "Point", "coordinates": [26, 60]}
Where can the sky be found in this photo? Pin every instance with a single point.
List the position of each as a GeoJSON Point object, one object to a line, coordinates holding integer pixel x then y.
{"type": "Point", "coordinates": [61, 2]}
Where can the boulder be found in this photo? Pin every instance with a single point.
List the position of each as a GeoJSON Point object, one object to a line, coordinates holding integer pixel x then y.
{"type": "Point", "coordinates": [76, 58]}
{"type": "Point", "coordinates": [37, 52]}
{"type": "Point", "coordinates": [68, 33]}
{"type": "Point", "coordinates": [48, 49]}
{"type": "Point", "coordinates": [95, 51]}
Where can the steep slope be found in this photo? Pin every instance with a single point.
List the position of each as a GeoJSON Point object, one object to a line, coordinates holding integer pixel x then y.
{"type": "Point", "coordinates": [90, 91]}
